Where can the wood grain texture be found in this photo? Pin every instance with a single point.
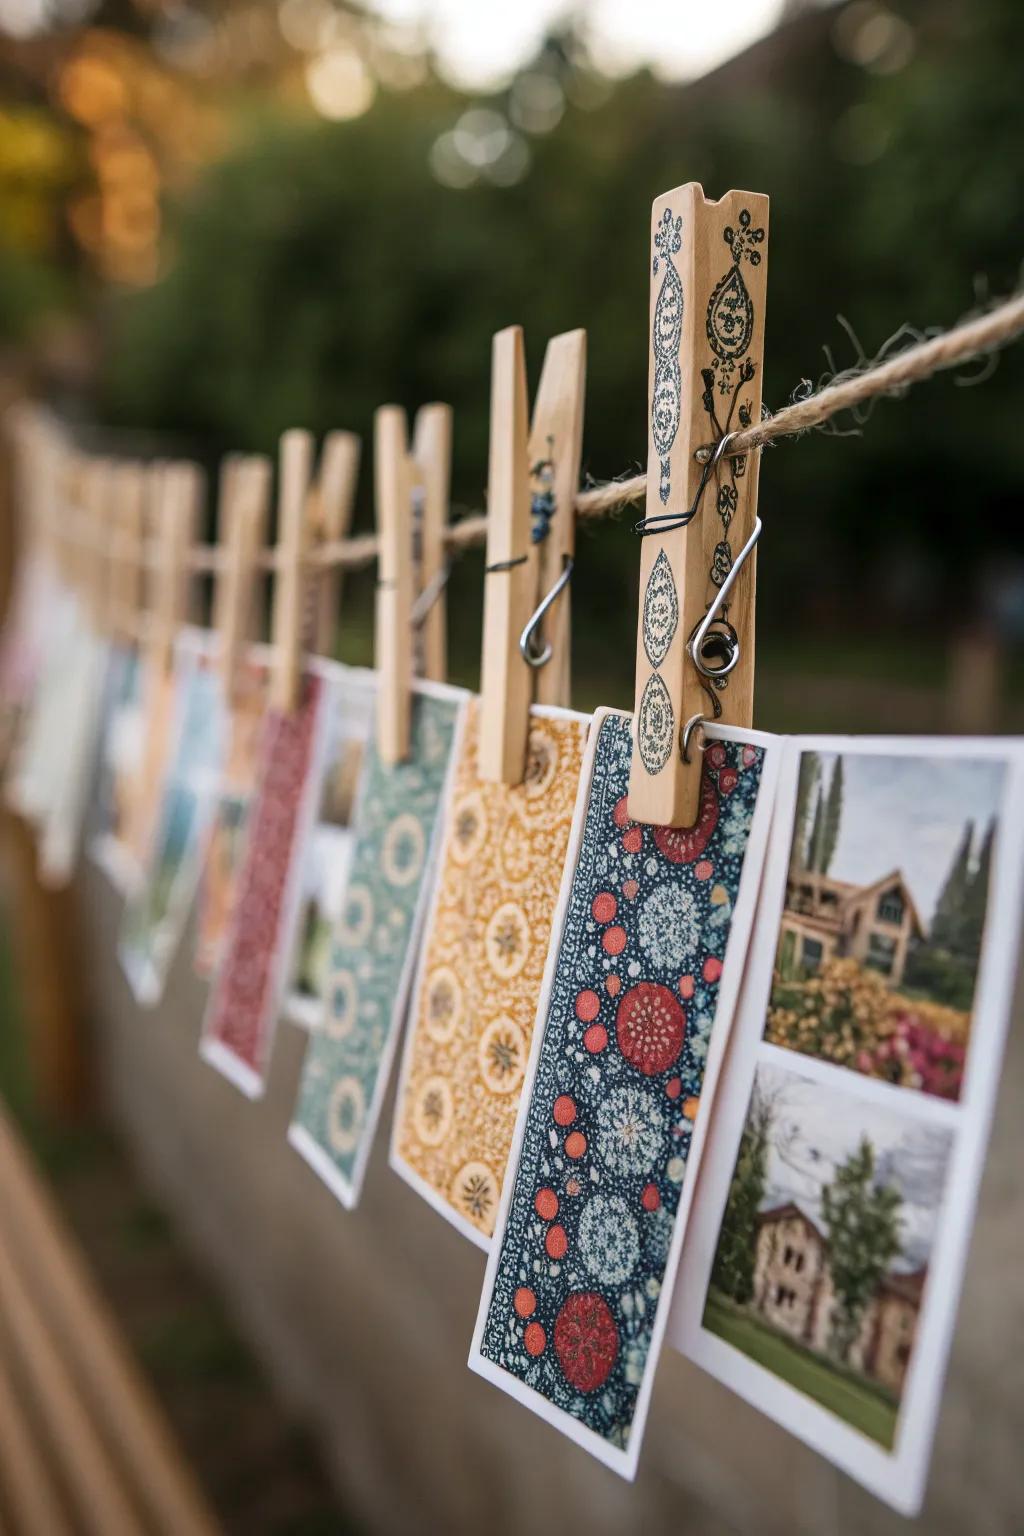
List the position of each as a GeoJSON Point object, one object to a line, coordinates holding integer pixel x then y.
{"type": "Point", "coordinates": [506, 682]}
{"type": "Point", "coordinates": [709, 268]}
{"type": "Point", "coordinates": [290, 577]}
{"type": "Point", "coordinates": [126, 583]}
{"type": "Point", "coordinates": [178, 488]}
{"type": "Point", "coordinates": [335, 496]}
{"type": "Point", "coordinates": [28, 1489]}
{"type": "Point", "coordinates": [100, 1423]}
{"type": "Point", "coordinates": [432, 454]}
{"type": "Point", "coordinates": [98, 542]}
{"type": "Point", "coordinates": [45, 1381]}
{"type": "Point", "coordinates": [244, 507]}
{"type": "Point", "coordinates": [556, 443]}
{"type": "Point", "coordinates": [393, 611]}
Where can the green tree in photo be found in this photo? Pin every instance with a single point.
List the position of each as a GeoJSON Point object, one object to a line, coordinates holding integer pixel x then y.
{"type": "Point", "coordinates": [832, 817]}
{"type": "Point", "coordinates": [807, 783]}
{"type": "Point", "coordinates": [948, 923]}
{"type": "Point", "coordinates": [945, 966]}
{"type": "Point", "coordinates": [863, 1220]}
{"type": "Point", "coordinates": [814, 843]}
{"type": "Point", "coordinates": [976, 897]}
{"type": "Point", "coordinates": [733, 1271]}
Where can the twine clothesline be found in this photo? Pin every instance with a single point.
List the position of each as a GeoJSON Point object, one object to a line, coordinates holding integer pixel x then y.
{"type": "Point", "coordinates": [974, 337]}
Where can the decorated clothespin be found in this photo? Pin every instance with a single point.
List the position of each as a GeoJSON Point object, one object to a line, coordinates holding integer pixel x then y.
{"type": "Point", "coordinates": [411, 491]}
{"type": "Point", "coordinates": [244, 504]}
{"type": "Point", "coordinates": [695, 636]}
{"type": "Point", "coordinates": [533, 477]}
{"type": "Point", "coordinates": [334, 498]}
{"type": "Point", "coordinates": [178, 491]}
{"type": "Point", "coordinates": [291, 573]}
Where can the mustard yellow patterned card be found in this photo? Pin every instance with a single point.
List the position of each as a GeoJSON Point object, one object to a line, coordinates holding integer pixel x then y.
{"type": "Point", "coordinates": [480, 971]}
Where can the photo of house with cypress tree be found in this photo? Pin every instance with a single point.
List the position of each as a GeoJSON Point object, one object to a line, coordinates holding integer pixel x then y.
{"type": "Point", "coordinates": [884, 915]}
{"type": "Point", "coordinates": [822, 1258]}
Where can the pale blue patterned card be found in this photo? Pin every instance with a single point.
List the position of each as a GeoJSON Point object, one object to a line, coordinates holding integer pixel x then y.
{"type": "Point", "coordinates": [373, 946]}
{"type": "Point", "coordinates": [642, 976]}
{"type": "Point", "coordinates": [155, 914]}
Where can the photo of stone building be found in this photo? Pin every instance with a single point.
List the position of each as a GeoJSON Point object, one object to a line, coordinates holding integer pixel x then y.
{"type": "Point", "coordinates": [793, 1291]}
{"type": "Point", "coordinates": [823, 1253]}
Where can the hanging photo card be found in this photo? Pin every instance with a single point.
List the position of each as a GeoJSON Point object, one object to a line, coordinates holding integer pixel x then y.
{"type": "Point", "coordinates": [643, 972]}
{"type": "Point", "coordinates": [830, 1232]}
{"type": "Point", "coordinates": [372, 948]}
{"type": "Point", "coordinates": [23, 644]}
{"type": "Point", "coordinates": [155, 914]}
{"type": "Point", "coordinates": [480, 969]}
{"type": "Point", "coordinates": [225, 839]}
{"type": "Point", "coordinates": [247, 993]}
{"type": "Point", "coordinates": [330, 847]}
{"type": "Point", "coordinates": [60, 833]}
{"type": "Point", "coordinates": [35, 765]}
{"type": "Point", "coordinates": [120, 757]}
{"type": "Point", "coordinates": [140, 777]}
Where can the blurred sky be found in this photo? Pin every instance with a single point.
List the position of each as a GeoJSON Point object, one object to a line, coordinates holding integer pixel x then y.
{"type": "Point", "coordinates": [479, 44]}
{"type": "Point", "coordinates": [908, 813]}
{"type": "Point", "coordinates": [815, 1128]}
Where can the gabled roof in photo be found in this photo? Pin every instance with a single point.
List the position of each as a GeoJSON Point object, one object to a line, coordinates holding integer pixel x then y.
{"type": "Point", "coordinates": [895, 877]}
{"type": "Point", "coordinates": [787, 1212]}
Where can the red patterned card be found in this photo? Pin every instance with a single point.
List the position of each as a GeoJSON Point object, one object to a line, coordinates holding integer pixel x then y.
{"type": "Point", "coordinates": [242, 1013]}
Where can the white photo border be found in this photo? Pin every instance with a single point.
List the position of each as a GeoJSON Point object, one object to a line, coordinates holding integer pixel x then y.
{"type": "Point", "coordinates": [898, 1476]}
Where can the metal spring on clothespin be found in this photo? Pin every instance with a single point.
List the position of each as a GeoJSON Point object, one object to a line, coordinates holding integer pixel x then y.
{"type": "Point", "coordinates": [533, 652]}
{"type": "Point", "coordinates": [714, 639]}
{"type": "Point", "coordinates": [530, 542]}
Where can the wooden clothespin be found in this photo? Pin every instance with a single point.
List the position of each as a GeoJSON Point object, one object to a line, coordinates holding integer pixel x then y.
{"type": "Point", "coordinates": [532, 470]}
{"type": "Point", "coordinates": [99, 539]}
{"type": "Point", "coordinates": [126, 574]}
{"type": "Point", "coordinates": [432, 461]}
{"type": "Point", "coordinates": [295, 468]}
{"type": "Point", "coordinates": [334, 496]}
{"type": "Point", "coordinates": [70, 519]}
{"type": "Point", "coordinates": [178, 488]}
{"type": "Point", "coordinates": [411, 491]}
{"type": "Point", "coordinates": [244, 505]}
{"type": "Point", "coordinates": [708, 276]}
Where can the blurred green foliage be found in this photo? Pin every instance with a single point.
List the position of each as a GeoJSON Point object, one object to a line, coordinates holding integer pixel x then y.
{"type": "Point", "coordinates": [321, 270]}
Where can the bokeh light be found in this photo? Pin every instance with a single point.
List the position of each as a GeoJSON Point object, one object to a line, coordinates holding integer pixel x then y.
{"type": "Point", "coordinates": [340, 84]}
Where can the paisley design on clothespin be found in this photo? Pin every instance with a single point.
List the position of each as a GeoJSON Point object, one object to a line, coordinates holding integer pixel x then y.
{"type": "Point", "coordinates": [661, 611]}
{"type": "Point", "coordinates": [730, 329]}
{"type": "Point", "coordinates": [704, 386]}
{"type": "Point", "coordinates": [665, 336]}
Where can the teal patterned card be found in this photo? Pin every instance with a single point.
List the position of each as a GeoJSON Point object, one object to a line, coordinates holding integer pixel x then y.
{"type": "Point", "coordinates": [373, 946]}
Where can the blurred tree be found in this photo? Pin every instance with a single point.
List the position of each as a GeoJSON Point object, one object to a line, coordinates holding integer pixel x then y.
{"type": "Point", "coordinates": [326, 267]}
{"type": "Point", "coordinates": [864, 1218]}
{"type": "Point", "coordinates": [736, 1254]}
{"type": "Point", "coordinates": [833, 818]}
